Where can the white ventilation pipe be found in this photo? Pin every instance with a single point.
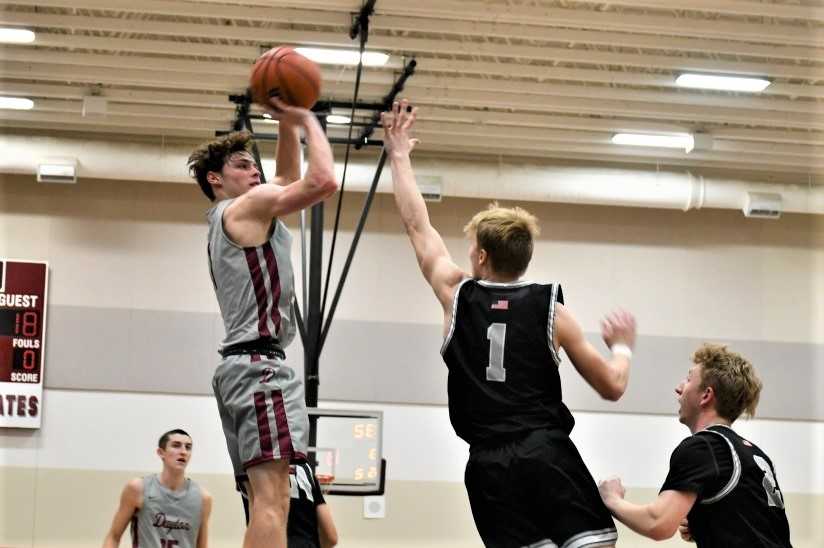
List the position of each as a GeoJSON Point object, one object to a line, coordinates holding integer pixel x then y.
{"type": "Point", "coordinates": [122, 160]}
{"type": "Point", "coordinates": [598, 186]}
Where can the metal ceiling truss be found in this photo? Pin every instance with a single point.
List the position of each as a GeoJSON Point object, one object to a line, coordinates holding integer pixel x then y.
{"type": "Point", "coordinates": [526, 78]}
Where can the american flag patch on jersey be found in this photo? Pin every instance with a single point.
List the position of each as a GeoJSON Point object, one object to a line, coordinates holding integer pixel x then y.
{"type": "Point", "coordinates": [501, 305]}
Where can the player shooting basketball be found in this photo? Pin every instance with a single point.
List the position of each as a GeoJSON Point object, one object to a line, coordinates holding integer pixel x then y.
{"type": "Point", "coordinates": [527, 484]}
{"type": "Point", "coordinates": [259, 397]}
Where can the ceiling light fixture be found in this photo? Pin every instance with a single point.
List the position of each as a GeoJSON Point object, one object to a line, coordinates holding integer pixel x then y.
{"type": "Point", "coordinates": [723, 83]}
{"type": "Point", "coordinates": [16, 103]}
{"type": "Point", "coordinates": [328, 56]}
{"type": "Point", "coordinates": [338, 120]}
{"type": "Point", "coordinates": [683, 140]}
{"type": "Point", "coordinates": [16, 36]}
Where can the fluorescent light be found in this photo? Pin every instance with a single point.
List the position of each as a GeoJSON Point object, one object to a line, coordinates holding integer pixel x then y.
{"type": "Point", "coordinates": [683, 140]}
{"type": "Point", "coordinates": [267, 115]}
{"type": "Point", "coordinates": [338, 120]}
{"type": "Point", "coordinates": [16, 103]}
{"type": "Point", "coordinates": [16, 36]}
{"type": "Point", "coordinates": [725, 83]}
{"type": "Point", "coordinates": [375, 58]}
{"type": "Point", "coordinates": [326, 56]}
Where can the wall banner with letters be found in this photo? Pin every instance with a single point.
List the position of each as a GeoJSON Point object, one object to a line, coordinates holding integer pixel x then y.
{"type": "Point", "coordinates": [23, 293]}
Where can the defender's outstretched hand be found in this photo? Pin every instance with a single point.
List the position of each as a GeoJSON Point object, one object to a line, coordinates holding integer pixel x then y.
{"type": "Point", "coordinates": [396, 128]}
{"type": "Point", "coordinates": [619, 328]}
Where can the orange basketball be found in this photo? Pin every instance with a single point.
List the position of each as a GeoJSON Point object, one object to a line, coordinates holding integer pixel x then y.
{"type": "Point", "coordinates": [287, 74]}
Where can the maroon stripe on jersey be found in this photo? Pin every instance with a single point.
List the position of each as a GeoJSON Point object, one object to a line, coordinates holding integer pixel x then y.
{"type": "Point", "coordinates": [264, 433]}
{"type": "Point", "coordinates": [254, 358]}
{"type": "Point", "coordinates": [274, 282]}
{"type": "Point", "coordinates": [284, 437]}
{"type": "Point", "coordinates": [260, 289]}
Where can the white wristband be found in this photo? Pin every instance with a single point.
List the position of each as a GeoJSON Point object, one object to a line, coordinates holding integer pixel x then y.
{"type": "Point", "coordinates": [622, 350]}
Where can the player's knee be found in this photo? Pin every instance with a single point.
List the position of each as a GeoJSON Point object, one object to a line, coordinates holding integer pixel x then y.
{"type": "Point", "coordinates": [270, 485]}
{"type": "Point", "coordinates": [272, 509]}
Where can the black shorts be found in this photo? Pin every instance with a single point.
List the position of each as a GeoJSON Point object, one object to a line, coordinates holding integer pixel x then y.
{"type": "Point", "coordinates": [536, 491]}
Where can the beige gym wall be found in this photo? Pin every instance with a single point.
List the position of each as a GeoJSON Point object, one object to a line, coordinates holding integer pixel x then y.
{"type": "Point", "coordinates": [420, 514]}
{"type": "Point", "coordinates": [140, 247]}
{"type": "Point", "coordinates": [689, 277]}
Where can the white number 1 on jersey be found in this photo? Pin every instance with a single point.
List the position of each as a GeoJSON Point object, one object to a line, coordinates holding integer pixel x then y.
{"type": "Point", "coordinates": [497, 339]}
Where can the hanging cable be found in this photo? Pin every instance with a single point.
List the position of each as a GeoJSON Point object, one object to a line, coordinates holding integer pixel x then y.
{"type": "Point", "coordinates": [359, 28]}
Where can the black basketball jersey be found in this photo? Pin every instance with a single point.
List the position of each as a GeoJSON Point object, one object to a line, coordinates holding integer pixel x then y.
{"type": "Point", "coordinates": [305, 497]}
{"type": "Point", "coordinates": [739, 502]}
{"type": "Point", "coordinates": [503, 367]}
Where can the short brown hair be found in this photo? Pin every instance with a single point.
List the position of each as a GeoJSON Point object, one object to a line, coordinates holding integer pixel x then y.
{"type": "Point", "coordinates": [212, 156]}
{"type": "Point", "coordinates": [164, 439]}
{"type": "Point", "coordinates": [733, 379]}
{"type": "Point", "coordinates": [507, 235]}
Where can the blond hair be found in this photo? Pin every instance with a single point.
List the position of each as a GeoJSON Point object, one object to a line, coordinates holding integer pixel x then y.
{"type": "Point", "coordinates": [733, 379]}
{"type": "Point", "coordinates": [507, 235]}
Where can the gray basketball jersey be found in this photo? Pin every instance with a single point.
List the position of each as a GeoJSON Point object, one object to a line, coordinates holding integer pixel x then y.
{"type": "Point", "coordinates": [168, 518]}
{"type": "Point", "coordinates": [254, 285]}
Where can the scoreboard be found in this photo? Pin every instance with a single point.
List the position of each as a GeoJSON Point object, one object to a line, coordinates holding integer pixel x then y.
{"type": "Point", "coordinates": [349, 450]}
{"type": "Point", "coordinates": [23, 293]}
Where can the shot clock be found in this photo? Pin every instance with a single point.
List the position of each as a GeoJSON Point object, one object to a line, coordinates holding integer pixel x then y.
{"type": "Point", "coordinates": [23, 293]}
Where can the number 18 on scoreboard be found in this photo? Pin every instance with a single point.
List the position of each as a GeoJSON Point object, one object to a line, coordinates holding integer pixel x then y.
{"type": "Point", "coordinates": [23, 293]}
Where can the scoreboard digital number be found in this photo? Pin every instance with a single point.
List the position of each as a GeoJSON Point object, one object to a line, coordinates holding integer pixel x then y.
{"type": "Point", "coordinates": [365, 436]}
{"type": "Point", "coordinates": [23, 293]}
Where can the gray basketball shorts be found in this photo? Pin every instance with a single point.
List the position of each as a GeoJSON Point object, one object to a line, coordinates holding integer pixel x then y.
{"type": "Point", "coordinates": [262, 409]}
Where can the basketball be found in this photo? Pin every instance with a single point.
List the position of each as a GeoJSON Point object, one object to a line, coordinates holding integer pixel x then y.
{"type": "Point", "coordinates": [287, 74]}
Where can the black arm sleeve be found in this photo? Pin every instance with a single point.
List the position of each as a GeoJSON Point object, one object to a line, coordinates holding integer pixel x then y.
{"type": "Point", "coordinates": [693, 467]}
